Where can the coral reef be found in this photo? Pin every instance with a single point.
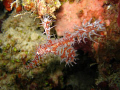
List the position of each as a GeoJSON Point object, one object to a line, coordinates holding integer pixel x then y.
{"type": "Point", "coordinates": [41, 7]}
{"type": "Point", "coordinates": [17, 44]}
{"type": "Point", "coordinates": [73, 14]}
{"type": "Point", "coordinates": [108, 51]}
{"type": "Point", "coordinates": [21, 37]}
{"type": "Point", "coordinates": [118, 19]}
{"type": "Point", "coordinates": [84, 41]}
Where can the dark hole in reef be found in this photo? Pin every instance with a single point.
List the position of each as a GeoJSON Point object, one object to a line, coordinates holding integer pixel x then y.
{"type": "Point", "coordinates": [0, 50]}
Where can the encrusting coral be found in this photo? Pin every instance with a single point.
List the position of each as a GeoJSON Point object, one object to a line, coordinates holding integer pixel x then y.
{"type": "Point", "coordinates": [20, 37]}
{"type": "Point", "coordinates": [18, 41]}
{"type": "Point", "coordinates": [73, 14]}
